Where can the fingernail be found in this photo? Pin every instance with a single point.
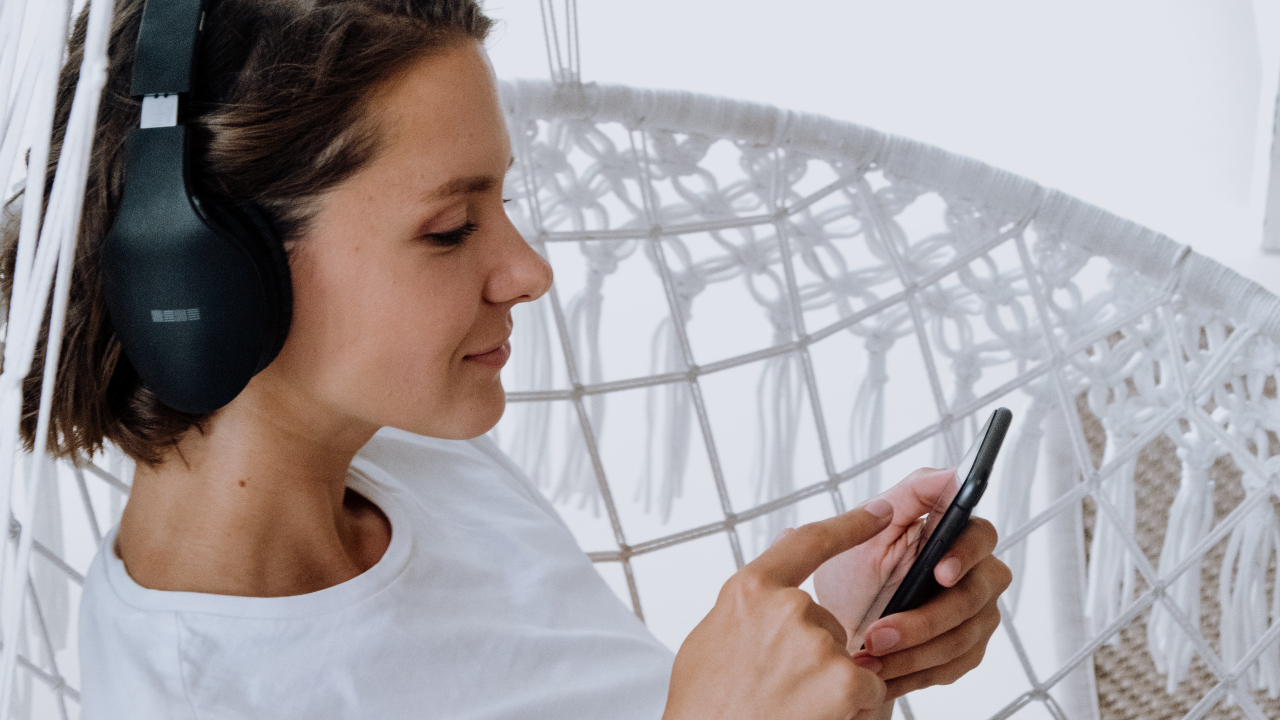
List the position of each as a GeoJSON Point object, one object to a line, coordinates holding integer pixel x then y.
{"type": "Point", "coordinates": [869, 663]}
{"type": "Point", "coordinates": [785, 532]}
{"type": "Point", "coordinates": [949, 571]}
{"type": "Point", "coordinates": [882, 640]}
{"type": "Point", "coordinates": [879, 507]}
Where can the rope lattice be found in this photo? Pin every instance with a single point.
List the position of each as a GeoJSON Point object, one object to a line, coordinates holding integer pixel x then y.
{"type": "Point", "coordinates": [696, 239]}
{"type": "Point", "coordinates": [760, 318]}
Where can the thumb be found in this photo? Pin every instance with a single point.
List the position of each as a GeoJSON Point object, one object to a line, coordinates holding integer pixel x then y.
{"type": "Point", "coordinates": [796, 555]}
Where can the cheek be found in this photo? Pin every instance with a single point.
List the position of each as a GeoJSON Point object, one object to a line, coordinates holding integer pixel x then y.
{"type": "Point", "coordinates": [374, 329]}
{"type": "Point", "coordinates": [411, 336]}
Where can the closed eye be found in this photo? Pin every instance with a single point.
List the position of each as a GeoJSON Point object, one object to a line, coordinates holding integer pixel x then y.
{"type": "Point", "coordinates": [453, 237]}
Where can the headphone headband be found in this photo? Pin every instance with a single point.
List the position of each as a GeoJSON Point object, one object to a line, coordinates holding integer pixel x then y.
{"type": "Point", "coordinates": [167, 47]}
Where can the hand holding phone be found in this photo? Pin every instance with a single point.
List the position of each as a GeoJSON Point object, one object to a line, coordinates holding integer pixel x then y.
{"type": "Point", "coordinates": [912, 581]}
{"type": "Point", "coordinates": [939, 534]}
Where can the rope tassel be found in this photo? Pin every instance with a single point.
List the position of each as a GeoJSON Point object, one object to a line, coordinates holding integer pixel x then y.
{"type": "Point", "coordinates": [669, 426]}
{"type": "Point", "coordinates": [1112, 574]}
{"type": "Point", "coordinates": [1190, 520]}
{"type": "Point", "coordinates": [531, 335]}
{"type": "Point", "coordinates": [866, 427]}
{"type": "Point", "coordinates": [1254, 545]}
{"type": "Point", "coordinates": [1015, 487]}
{"type": "Point", "coordinates": [779, 396]}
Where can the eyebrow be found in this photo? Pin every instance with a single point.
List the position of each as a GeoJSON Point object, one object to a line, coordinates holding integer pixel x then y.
{"type": "Point", "coordinates": [465, 185]}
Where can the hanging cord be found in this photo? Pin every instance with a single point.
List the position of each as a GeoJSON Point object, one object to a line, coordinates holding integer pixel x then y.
{"type": "Point", "coordinates": [55, 250]}
{"type": "Point", "coordinates": [563, 60]}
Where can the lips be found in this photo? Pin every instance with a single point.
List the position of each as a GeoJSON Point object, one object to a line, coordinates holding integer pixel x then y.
{"type": "Point", "coordinates": [494, 357]}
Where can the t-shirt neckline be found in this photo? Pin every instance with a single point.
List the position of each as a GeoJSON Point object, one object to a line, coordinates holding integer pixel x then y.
{"type": "Point", "coordinates": [336, 597]}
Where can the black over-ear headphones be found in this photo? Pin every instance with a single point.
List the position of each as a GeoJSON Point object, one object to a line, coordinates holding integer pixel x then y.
{"type": "Point", "coordinates": [198, 290]}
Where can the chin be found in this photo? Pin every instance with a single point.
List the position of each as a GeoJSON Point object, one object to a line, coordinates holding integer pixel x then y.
{"type": "Point", "coordinates": [471, 419]}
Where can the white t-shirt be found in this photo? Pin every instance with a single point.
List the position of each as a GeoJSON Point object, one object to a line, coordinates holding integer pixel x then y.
{"type": "Point", "coordinates": [482, 607]}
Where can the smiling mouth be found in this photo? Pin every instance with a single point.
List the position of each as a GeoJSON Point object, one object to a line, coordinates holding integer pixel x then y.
{"type": "Point", "coordinates": [496, 357]}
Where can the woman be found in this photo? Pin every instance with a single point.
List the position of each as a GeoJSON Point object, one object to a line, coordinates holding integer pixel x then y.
{"type": "Point", "coordinates": [340, 540]}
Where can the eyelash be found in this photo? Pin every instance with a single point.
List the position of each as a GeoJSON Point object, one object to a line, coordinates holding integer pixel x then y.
{"type": "Point", "coordinates": [458, 234]}
{"type": "Point", "coordinates": [455, 236]}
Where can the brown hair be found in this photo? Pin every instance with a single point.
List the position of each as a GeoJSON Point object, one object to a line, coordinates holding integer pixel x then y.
{"type": "Point", "coordinates": [277, 117]}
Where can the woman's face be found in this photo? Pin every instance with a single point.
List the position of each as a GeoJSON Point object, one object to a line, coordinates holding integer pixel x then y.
{"type": "Point", "coordinates": [403, 286]}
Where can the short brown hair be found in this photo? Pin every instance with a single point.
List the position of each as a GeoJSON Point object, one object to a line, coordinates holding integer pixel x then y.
{"type": "Point", "coordinates": [277, 117]}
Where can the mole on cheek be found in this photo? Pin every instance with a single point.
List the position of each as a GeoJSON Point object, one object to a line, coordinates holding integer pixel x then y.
{"type": "Point", "coordinates": [241, 483]}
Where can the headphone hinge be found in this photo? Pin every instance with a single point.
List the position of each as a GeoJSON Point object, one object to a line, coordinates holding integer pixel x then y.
{"type": "Point", "coordinates": [159, 111]}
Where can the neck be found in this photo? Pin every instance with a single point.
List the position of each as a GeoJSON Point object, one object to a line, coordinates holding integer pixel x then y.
{"type": "Point", "coordinates": [256, 505]}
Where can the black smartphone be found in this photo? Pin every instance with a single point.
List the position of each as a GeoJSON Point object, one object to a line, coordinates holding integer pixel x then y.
{"type": "Point", "coordinates": [971, 478]}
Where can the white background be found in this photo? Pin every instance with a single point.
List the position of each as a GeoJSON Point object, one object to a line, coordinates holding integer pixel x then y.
{"type": "Point", "coordinates": [1148, 108]}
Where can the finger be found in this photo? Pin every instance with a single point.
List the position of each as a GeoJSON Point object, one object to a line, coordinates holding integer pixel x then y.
{"type": "Point", "coordinates": [975, 543]}
{"type": "Point", "coordinates": [796, 555]}
{"type": "Point", "coordinates": [943, 612]}
{"type": "Point", "coordinates": [862, 690]}
{"type": "Point", "coordinates": [942, 675]}
{"type": "Point", "coordinates": [822, 617]}
{"type": "Point", "coordinates": [949, 646]}
{"type": "Point", "coordinates": [920, 493]}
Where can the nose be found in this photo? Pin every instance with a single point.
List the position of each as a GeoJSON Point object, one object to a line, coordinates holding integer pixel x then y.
{"type": "Point", "coordinates": [520, 273]}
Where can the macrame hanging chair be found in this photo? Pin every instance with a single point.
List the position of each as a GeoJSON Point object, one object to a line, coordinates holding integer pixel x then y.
{"type": "Point", "coordinates": [761, 318]}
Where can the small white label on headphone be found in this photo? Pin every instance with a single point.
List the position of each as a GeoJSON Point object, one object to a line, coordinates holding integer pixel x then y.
{"type": "Point", "coordinates": [159, 111]}
{"type": "Point", "coordinates": [181, 315]}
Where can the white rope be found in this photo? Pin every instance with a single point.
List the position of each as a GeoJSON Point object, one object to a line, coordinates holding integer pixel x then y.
{"type": "Point", "coordinates": [992, 295]}
{"type": "Point", "coordinates": [564, 51]}
{"type": "Point", "coordinates": [1153, 279]}
{"type": "Point", "coordinates": [667, 406]}
{"type": "Point", "coordinates": [55, 253]}
{"type": "Point", "coordinates": [13, 19]}
{"type": "Point", "coordinates": [1019, 464]}
{"type": "Point", "coordinates": [1190, 519]}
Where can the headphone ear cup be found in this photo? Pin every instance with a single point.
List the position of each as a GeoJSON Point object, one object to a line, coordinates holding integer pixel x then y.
{"type": "Point", "coordinates": [198, 293]}
{"type": "Point", "coordinates": [249, 227]}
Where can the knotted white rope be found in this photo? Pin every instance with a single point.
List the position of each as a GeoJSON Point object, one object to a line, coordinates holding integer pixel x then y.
{"type": "Point", "coordinates": [971, 314]}
{"type": "Point", "coordinates": [936, 270]}
{"type": "Point", "coordinates": [1190, 520]}
{"type": "Point", "coordinates": [1246, 408]}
